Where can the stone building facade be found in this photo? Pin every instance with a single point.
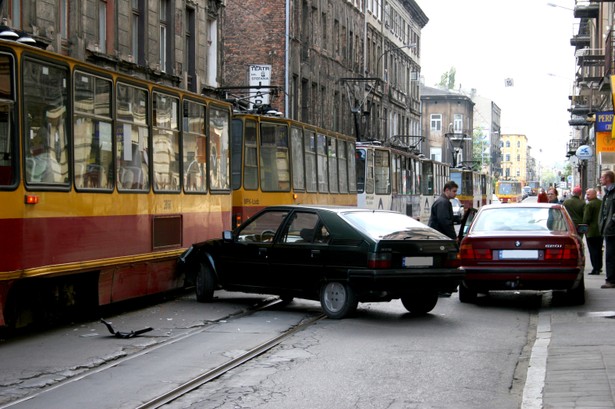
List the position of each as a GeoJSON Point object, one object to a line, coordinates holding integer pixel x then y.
{"type": "Point", "coordinates": [173, 42]}
{"type": "Point", "coordinates": [343, 65]}
{"type": "Point", "coordinates": [448, 121]}
{"type": "Point", "coordinates": [515, 154]}
{"type": "Point", "coordinates": [347, 65]}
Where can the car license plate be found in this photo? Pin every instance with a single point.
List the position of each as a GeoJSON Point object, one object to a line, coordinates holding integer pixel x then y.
{"type": "Point", "coordinates": [518, 255]}
{"type": "Point", "coordinates": [410, 262]}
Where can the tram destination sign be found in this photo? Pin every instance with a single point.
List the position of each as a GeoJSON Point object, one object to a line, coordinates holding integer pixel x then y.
{"type": "Point", "coordinates": [259, 75]}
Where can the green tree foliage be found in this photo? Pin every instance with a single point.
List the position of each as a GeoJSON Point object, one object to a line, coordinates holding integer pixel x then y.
{"type": "Point", "coordinates": [447, 80]}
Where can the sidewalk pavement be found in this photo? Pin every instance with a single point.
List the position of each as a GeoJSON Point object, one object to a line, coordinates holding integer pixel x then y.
{"type": "Point", "coordinates": [572, 364]}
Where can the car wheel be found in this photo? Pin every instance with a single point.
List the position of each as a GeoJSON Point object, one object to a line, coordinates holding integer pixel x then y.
{"type": "Point", "coordinates": [576, 296]}
{"type": "Point", "coordinates": [205, 283]}
{"type": "Point", "coordinates": [420, 303]}
{"type": "Point", "coordinates": [338, 300]}
{"type": "Point", "coordinates": [466, 295]}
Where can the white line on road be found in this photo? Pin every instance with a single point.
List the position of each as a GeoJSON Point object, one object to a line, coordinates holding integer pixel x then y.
{"type": "Point", "coordinates": [537, 370]}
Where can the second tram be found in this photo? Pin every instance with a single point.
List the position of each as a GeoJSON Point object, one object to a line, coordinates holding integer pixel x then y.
{"type": "Point", "coordinates": [395, 179]}
{"type": "Point", "coordinates": [509, 191]}
{"type": "Point", "coordinates": [281, 161]}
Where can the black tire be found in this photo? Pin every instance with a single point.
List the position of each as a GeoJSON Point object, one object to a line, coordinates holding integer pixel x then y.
{"type": "Point", "coordinates": [285, 299]}
{"type": "Point", "coordinates": [420, 303]}
{"type": "Point", "coordinates": [467, 295]}
{"type": "Point", "coordinates": [576, 296]}
{"type": "Point", "coordinates": [205, 283]}
{"type": "Point", "coordinates": [338, 300]}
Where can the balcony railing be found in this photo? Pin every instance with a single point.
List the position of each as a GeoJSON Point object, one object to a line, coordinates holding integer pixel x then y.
{"type": "Point", "coordinates": [586, 9]}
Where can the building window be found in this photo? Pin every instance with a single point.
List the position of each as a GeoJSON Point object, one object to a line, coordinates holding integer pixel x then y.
{"type": "Point", "coordinates": [15, 13]}
{"type": "Point", "coordinates": [508, 157]}
{"type": "Point", "coordinates": [137, 24]}
{"type": "Point", "coordinates": [63, 20]}
{"type": "Point", "coordinates": [518, 144]}
{"type": "Point", "coordinates": [458, 123]}
{"type": "Point", "coordinates": [102, 25]}
{"type": "Point", "coordinates": [508, 144]}
{"type": "Point", "coordinates": [436, 122]}
{"type": "Point", "coordinates": [163, 35]}
{"type": "Point", "coordinates": [190, 50]}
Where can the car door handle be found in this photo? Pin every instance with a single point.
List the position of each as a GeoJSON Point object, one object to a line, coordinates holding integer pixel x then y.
{"type": "Point", "coordinates": [315, 253]}
{"type": "Point", "coordinates": [262, 252]}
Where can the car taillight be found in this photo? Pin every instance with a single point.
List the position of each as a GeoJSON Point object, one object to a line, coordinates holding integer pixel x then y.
{"type": "Point", "coordinates": [569, 252]}
{"type": "Point", "coordinates": [468, 252]}
{"type": "Point", "coordinates": [452, 260]}
{"type": "Point", "coordinates": [379, 260]}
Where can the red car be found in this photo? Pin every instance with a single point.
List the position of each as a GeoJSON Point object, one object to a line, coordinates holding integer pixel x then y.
{"type": "Point", "coordinates": [519, 246]}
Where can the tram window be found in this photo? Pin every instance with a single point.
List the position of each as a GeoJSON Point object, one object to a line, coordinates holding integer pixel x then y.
{"type": "Point", "coordinates": [132, 136]}
{"type": "Point", "coordinates": [250, 166]}
{"type": "Point", "coordinates": [427, 183]}
{"type": "Point", "coordinates": [321, 162]}
{"type": "Point", "coordinates": [165, 143]}
{"type": "Point", "coordinates": [219, 136]}
{"type": "Point", "coordinates": [360, 159]}
{"type": "Point", "coordinates": [311, 184]}
{"type": "Point", "coordinates": [274, 161]}
{"type": "Point", "coordinates": [296, 146]}
{"type": "Point", "coordinates": [93, 147]}
{"type": "Point", "coordinates": [46, 139]}
{"type": "Point", "coordinates": [332, 155]}
{"type": "Point", "coordinates": [352, 167]}
{"type": "Point", "coordinates": [236, 153]}
{"type": "Point", "coordinates": [382, 169]}
{"type": "Point", "coordinates": [8, 160]}
{"type": "Point", "coordinates": [369, 171]}
{"type": "Point", "coordinates": [194, 147]}
{"type": "Point", "coordinates": [395, 171]}
{"type": "Point", "coordinates": [342, 166]}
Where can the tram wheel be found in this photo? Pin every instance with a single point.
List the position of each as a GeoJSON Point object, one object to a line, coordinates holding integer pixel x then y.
{"type": "Point", "coordinates": [205, 283]}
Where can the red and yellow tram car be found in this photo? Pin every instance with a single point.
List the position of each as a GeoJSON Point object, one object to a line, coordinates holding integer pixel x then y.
{"type": "Point", "coordinates": [104, 180]}
{"type": "Point", "coordinates": [282, 161]}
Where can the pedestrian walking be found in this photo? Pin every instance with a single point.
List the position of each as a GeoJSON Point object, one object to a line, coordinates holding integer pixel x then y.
{"type": "Point", "coordinates": [575, 206]}
{"type": "Point", "coordinates": [441, 217]}
{"type": "Point", "coordinates": [607, 226]}
{"type": "Point", "coordinates": [552, 195]}
{"type": "Point", "coordinates": [542, 197]}
{"type": "Point", "coordinates": [591, 217]}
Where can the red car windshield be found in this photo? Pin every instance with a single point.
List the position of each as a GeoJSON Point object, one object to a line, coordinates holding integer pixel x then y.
{"type": "Point", "coordinates": [520, 219]}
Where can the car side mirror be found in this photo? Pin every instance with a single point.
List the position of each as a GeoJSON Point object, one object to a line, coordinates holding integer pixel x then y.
{"type": "Point", "coordinates": [227, 235]}
{"type": "Point", "coordinates": [582, 228]}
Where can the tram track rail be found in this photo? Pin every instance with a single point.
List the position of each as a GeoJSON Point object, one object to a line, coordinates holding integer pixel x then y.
{"type": "Point", "coordinates": [194, 382]}
{"type": "Point", "coordinates": [201, 380]}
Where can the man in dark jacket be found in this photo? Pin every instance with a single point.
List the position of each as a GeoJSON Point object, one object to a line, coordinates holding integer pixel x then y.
{"type": "Point", "coordinates": [591, 217]}
{"type": "Point", "coordinates": [575, 206]}
{"type": "Point", "coordinates": [607, 226]}
{"type": "Point", "coordinates": [441, 217]}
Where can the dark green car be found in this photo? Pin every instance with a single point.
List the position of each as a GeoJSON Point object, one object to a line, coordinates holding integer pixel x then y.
{"type": "Point", "coordinates": [338, 255]}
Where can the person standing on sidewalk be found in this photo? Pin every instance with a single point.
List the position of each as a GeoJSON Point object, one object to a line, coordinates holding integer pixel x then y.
{"type": "Point", "coordinates": [575, 206]}
{"type": "Point", "coordinates": [607, 226]}
{"type": "Point", "coordinates": [552, 195]}
{"type": "Point", "coordinates": [591, 217]}
{"type": "Point", "coordinates": [441, 217]}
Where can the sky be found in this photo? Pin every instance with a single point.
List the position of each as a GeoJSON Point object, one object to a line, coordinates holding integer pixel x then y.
{"type": "Point", "coordinates": [488, 41]}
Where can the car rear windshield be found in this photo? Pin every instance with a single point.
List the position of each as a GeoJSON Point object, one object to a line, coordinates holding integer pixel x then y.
{"type": "Point", "coordinates": [380, 224]}
{"type": "Point", "coordinates": [520, 219]}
